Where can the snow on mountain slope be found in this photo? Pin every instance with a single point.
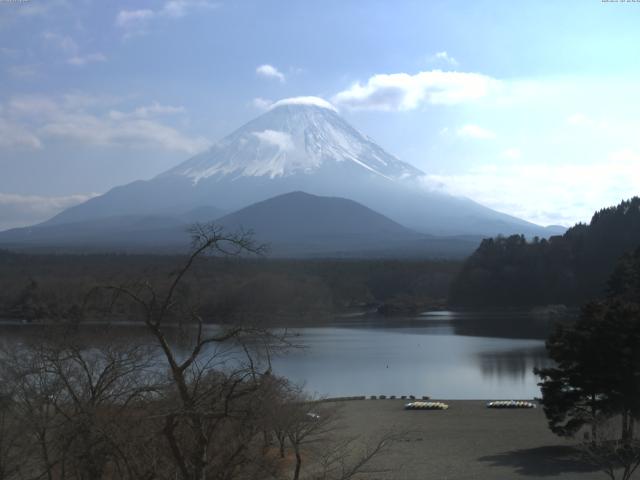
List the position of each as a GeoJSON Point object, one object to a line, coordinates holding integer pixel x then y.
{"type": "Point", "coordinates": [301, 144]}
{"type": "Point", "coordinates": [300, 135]}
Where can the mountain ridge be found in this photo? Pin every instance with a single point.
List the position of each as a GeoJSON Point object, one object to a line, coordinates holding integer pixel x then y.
{"type": "Point", "coordinates": [301, 147]}
{"type": "Point", "coordinates": [294, 225]}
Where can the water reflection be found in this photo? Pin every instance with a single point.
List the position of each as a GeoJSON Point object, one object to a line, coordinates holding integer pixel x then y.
{"type": "Point", "coordinates": [498, 324]}
{"type": "Point", "coordinates": [442, 354]}
{"type": "Point", "coordinates": [516, 365]}
{"type": "Point", "coordinates": [412, 360]}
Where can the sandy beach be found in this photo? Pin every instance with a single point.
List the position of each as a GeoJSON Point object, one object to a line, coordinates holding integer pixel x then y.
{"type": "Point", "coordinates": [467, 441]}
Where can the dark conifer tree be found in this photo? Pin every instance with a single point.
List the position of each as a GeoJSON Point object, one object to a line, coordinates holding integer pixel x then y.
{"type": "Point", "coordinates": [597, 371]}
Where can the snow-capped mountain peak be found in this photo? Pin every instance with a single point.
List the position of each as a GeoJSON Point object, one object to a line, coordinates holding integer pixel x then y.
{"type": "Point", "coordinates": [296, 136]}
{"type": "Point", "coordinates": [299, 145]}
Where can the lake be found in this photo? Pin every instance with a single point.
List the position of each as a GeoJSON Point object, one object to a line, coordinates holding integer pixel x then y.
{"type": "Point", "coordinates": [447, 355]}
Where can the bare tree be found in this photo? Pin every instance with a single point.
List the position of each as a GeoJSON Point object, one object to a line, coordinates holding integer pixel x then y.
{"type": "Point", "coordinates": [314, 430]}
{"type": "Point", "coordinates": [281, 399]}
{"type": "Point", "coordinates": [343, 459]}
{"type": "Point", "coordinates": [199, 402]}
{"type": "Point", "coordinates": [213, 371]}
{"type": "Point", "coordinates": [74, 402]}
{"type": "Point", "coordinates": [617, 455]}
{"type": "Point", "coordinates": [32, 393]}
{"type": "Point", "coordinates": [10, 435]}
{"type": "Point", "coordinates": [308, 423]}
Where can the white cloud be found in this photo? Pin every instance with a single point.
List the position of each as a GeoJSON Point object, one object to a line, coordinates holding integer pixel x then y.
{"type": "Point", "coordinates": [137, 21]}
{"type": "Point", "coordinates": [180, 8]}
{"type": "Point", "coordinates": [13, 135]}
{"type": "Point", "coordinates": [80, 60]}
{"type": "Point", "coordinates": [31, 120]}
{"type": "Point", "coordinates": [41, 8]}
{"type": "Point", "coordinates": [31, 105]}
{"type": "Point", "coordinates": [475, 132]}
{"type": "Point", "coordinates": [68, 46]}
{"type": "Point", "coordinates": [23, 210]}
{"type": "Point", "coordinates": [130, 132]}
{"type": "Point", "coordinates": [402, 91]}
{"type": "Point", "coordinates": [262, 103]}
{"type": "Point", "coordinates": [9, 52]}
{"type": "Point", "coordinates": [147, 111]}
{"type": "Point", "coordinates": [80, 100]}
{"type": "Point", "coordinates": [63, 43]}
{"type": "Point", "coordinates": [444, 57]}
{"type": "Point", "coordinates": [512, 153]}
{"type": "Point", "coordinates": [548, 193]}
{"type": "Point", "coordinates": [578, 119]}
{"type": "Point", "coordinates": [269, 71]}
{"type": "Point", "coordinates": [282, 140]}
{"type": "Point", "coordinates": [314, 101]}
{"type": "Point", "coordinates": [586, 121]}
{"type": "Point", "coordinates": [129, 18]}
{"type": "Point", "coordinates": [23, 72]}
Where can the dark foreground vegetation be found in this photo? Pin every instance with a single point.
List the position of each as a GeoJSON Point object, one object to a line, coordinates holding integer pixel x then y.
{"type": "Point", "coordinates": [191, 402]}
{"type": "Point", "coordinates": [594, 388]}
{"type": "Point", "coordinates": [568, 269]}
{"type": "Point", "coordinates": [48, 287]}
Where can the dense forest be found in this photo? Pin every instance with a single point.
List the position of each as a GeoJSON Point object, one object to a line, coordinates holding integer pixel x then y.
{"type": "Point", "coordinates": [50, 287]}
{"type": "Point", "coordinates": [567, 269]}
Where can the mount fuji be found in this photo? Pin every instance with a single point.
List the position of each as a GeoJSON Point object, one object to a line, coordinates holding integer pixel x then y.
{"type": "Point", "coordinates": [299, 144]}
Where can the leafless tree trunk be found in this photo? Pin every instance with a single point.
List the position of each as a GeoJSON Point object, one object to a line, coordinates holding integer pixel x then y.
{"type": "Point", "coordinates": [206, 397]}
{"type": "Point", "coordinates": [10, 447]}
{"type": "Point", "coordinates": [71, 401]}
{"type": "Point", "coordinates": [314, 432]}
{"type": "Point", "coordinates": [348, 458]}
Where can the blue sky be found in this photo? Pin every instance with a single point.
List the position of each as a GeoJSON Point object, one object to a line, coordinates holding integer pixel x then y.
{"type": "Point", "coordinates": [528, 107]}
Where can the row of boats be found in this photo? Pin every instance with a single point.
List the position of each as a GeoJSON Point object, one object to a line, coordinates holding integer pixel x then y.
{"type": "Point", "coordinates": [426, 406]}
{"type": "Point", "coordinates": [511, 404]}
{"type": "Point", "coordinates": [444, 406]}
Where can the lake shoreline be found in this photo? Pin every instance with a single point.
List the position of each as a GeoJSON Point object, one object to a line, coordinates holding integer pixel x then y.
{"type": "Point", "coordinates": [382, 311]}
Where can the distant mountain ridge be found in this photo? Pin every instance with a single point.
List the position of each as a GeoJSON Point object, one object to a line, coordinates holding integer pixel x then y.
{"type": "Point", "coordinates": [158, 233]}
{"type": "Point", "coordinates": [298, 214]}
{"type": "Point", "coordinates": [296, 224]}
{"type": "Point", "coordinates": [301, 145]}
{"type": "Point", "coordinates": [299, 223]}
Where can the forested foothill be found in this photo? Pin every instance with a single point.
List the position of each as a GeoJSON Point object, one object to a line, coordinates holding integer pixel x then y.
{"type": "Point", "coordinates": [44, 288]}
{"type": "Point", "coordinates": [568, 269]}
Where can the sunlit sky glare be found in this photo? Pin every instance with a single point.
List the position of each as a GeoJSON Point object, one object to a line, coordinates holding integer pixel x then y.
{"type": "Point", "coordinates": [528, 107]}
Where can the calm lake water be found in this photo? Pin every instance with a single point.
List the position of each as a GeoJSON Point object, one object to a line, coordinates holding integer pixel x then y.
{"type": "Point", "coordinates": [442, 354]}
{"type": "Point", "coordinates": [447, 355]}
